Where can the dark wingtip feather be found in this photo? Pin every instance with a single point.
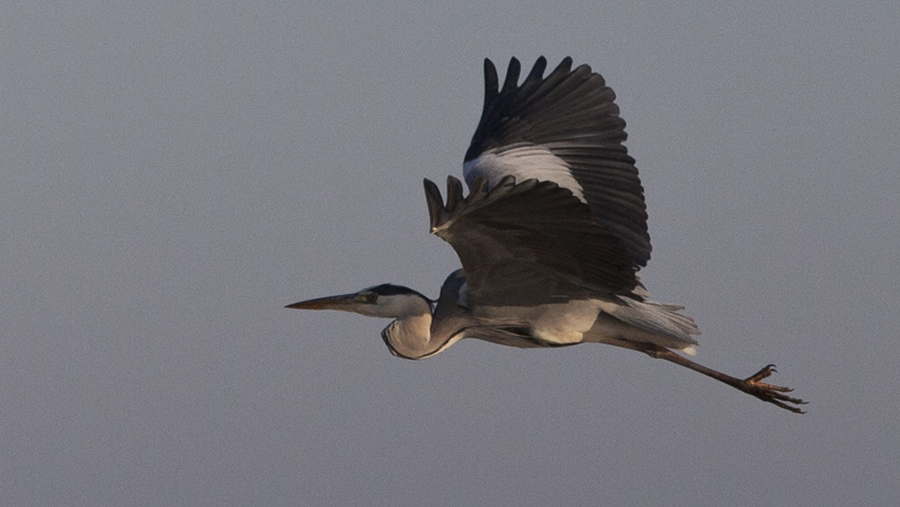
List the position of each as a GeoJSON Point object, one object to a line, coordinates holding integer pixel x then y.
{"type": "Point", "coordinates": [435, 203]}
{"type": "Point", "coordinates": [454, 193]}
{"type": "Point", "coordinates": [537, 72]}
{"type": "Point", "coordinates": [491, 83]}
{"type": "Point", "coordinates": [512, 75]}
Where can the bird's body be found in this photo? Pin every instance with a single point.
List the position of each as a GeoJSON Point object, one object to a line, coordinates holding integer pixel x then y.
{"type": "Point", "coordinates": [551, 236]}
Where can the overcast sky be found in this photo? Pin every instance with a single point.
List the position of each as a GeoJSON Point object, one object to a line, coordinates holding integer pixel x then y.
{"type": "Point", "coordinates": [174, 173]}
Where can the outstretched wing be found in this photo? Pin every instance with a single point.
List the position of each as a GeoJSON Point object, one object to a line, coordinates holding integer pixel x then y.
{"type": "Point", "coordinates": [528, 243]}
{"type": "Point", "coordinates": [563, 128]}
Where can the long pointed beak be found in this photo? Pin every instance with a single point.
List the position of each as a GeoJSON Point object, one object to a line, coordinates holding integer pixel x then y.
{"type": "Point", "coordinates": [327, 303]}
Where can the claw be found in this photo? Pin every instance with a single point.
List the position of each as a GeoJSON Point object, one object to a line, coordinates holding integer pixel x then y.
{"type": "Point", "coordinates": [769, 392]}
{"type": "Point", "coordinates": [766, 372]}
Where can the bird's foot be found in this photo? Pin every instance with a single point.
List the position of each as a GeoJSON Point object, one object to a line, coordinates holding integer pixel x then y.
{"type": "Point", "coordinates": [769, 392]}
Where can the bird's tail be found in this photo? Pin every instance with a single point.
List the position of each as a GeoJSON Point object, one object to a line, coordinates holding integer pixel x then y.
{"type": "Point", "coordinates": [658, 323]}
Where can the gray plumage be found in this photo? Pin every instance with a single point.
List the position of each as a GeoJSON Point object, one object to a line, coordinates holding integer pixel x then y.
{"type": "Point", "coordinates": [551, 236]}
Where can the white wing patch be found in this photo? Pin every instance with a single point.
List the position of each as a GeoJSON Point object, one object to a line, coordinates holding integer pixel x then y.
{"type": "Point", "coordinates": [524, 161]}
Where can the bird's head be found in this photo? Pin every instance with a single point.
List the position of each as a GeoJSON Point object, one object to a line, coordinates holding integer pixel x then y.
{"type": "Point", "coordinates": [386, 301]}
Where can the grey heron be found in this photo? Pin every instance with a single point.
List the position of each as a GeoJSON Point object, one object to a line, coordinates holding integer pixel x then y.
{"type": "Point", "coordinates": [551, 236]}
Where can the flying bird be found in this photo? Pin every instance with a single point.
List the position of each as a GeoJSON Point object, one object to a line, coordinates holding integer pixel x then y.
{"type": "Point", "coordinates": [551, 236]}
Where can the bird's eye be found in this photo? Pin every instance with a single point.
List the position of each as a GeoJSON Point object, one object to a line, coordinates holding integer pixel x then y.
{"type": "Point", "coordinates": [371, 297]}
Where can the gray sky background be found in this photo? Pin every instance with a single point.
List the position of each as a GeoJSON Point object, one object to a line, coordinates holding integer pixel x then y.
{"type": "Point", "coordinates": [174, 173]}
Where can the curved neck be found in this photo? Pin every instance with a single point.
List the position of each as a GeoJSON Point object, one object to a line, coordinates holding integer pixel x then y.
{"type": "Point", "coordinates": [417, 334]}
{"type": "Point", "coordinates": [410, 336]}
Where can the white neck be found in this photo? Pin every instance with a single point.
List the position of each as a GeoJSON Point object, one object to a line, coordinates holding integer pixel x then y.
{"type": "Point", "coordinates": [414, 335]}
{"type": "Point", "coordinates": [410, 336]}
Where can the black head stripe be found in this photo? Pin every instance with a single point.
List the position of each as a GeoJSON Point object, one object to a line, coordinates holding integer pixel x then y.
{"type": "Point", "coordinates": [387, 289]}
